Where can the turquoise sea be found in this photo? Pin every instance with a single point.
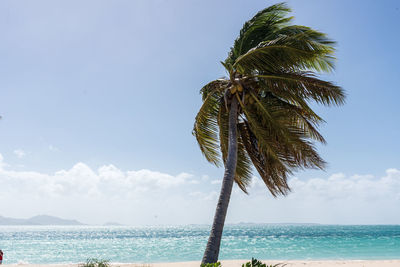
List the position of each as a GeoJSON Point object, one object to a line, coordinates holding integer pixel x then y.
{"type": "Point", "coordinates": [73, 244]}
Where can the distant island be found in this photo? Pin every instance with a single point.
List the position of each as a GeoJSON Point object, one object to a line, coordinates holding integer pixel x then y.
{"type": "Point", "coordinates": [38, 220]}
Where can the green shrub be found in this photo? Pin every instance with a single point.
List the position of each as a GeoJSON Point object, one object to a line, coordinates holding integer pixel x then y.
{"type": "Point", "coordinates": [256, 263]}
{"type": "Point", "coordinates": [216, 264]}
{"type": "Point", "coordinates": [93, 262]}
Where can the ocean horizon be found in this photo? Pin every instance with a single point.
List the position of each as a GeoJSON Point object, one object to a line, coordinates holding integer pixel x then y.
{"type": "Point", "coordinates": [141, 244]}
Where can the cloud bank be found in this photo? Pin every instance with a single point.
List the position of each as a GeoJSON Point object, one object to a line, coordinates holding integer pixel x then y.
{"type": "Point", "coordinates": [150, 197]}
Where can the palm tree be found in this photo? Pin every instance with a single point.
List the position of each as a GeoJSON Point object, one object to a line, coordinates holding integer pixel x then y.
{"type": "Point", "coordinates": [260, 115]}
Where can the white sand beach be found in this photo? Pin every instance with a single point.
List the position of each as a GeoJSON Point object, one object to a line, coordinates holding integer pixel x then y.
{"type": "Point", "coordinates": [238, 263]}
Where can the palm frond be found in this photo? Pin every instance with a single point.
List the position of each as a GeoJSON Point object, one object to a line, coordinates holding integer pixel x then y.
{"type": "Point", "coordinates": [219, 84]}
{"type": "Point", "coordinates": [272, 171]}
{"type": "Point", "coordinates": [273, 91]}
{"type": "Point", "coordinates": [305, 85]}
{"type": "Point", "coordinates": [285, 54]}
{"type": "Point", "coordinates": [276, 155]}
{"type": "Point", "coordinates": [293, 114]}
{"type": "Point", "coordinates": [298, 32]}
{"type": "Point", "coordinates": [257, 29]}
{"type": "Point", "coordinates": [243, 173]}
{"type": "Point", "coordinates": [267, 140]}
{"type": "Point", "coordinates": [284, 141]}
{"type": "Point", "coordinates": [206, 127]}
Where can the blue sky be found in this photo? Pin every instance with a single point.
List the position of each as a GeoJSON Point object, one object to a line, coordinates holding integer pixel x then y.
{"type": "Point", "coordinates": [102, 83]}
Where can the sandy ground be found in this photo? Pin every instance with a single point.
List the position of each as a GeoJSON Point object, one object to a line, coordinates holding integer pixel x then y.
{"type": "Point", "coordinates": [238, 263]}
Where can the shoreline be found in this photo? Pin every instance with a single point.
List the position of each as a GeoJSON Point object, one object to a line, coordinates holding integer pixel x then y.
{"type": "Point", "coordinates": [238, 263]}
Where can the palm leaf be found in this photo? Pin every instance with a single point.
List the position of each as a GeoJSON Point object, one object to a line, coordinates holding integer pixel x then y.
{"type": "Point", "coordinates": [285, 140]}
{"type": "Point", "coordinates": [273, 56]}
{"type": "Point", "coordinates": [206, 127]}
{"type": "Point", "coordinates": [257, 29]}
{"type": "Point", "coordinates": [243, 173]}
{"type": "Point", "coordinates": [295, 116]}
{"type": "Point", "coordinates": [271, 170]}
{"type": "Point", "coordinates": [219, 84]}
{"type": "Point", "coordinates": [306, 86]}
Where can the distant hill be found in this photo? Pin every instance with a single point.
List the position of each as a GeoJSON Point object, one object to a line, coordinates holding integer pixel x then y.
{"type": "Point", "coordinates": [38, 220]}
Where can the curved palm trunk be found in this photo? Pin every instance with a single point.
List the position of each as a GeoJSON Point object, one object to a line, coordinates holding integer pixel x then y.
{"type": "Point", "coordinates": [214, 241]}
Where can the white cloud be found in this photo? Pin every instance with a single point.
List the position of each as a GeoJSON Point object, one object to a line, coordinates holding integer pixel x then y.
{"type": "Point", "coordinates": [356, 187]}
{"type": "Point", "coordinates": [19, 153]}
{"type": "Point", "coordinates": [82, 180]}
{"type": "Point", "coordinates": [95, 196]}
{"type": "Point", "coordinates": [356, 199]}
{"type": "Point", "coordinates": [151, 197]}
